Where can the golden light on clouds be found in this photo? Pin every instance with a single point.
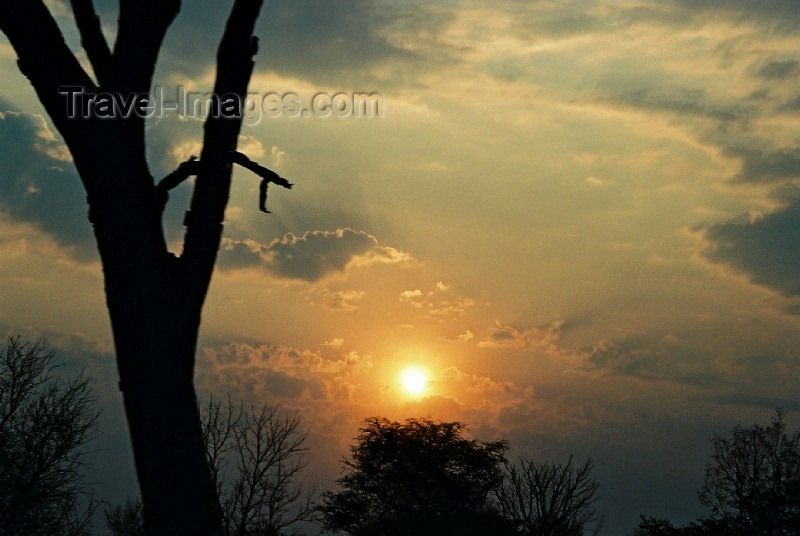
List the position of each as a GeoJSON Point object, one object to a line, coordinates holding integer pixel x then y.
{"type": "Point", "coordinates": [574, 218]}
{"type": "Point", "coordinates": [414, 380]}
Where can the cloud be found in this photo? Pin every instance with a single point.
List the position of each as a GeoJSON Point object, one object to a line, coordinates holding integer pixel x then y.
{"type": "Point", "coordinates": [476, 399]}
{"type": "Point", "coordinates": [292, 361]}
{"type": "Point", "coordinates": [317, 254]}
{"type": "Point", "coordinates": [312, 256]}
{"type": "Point", "coordinates": [448, 308]}
{"type": "Point", "coordinates": [435, 307]}
{"type": "Point", "coordinates": [302, 39]}
{"type": "Point", "coordinates": [779, 15]}
{"type": "Point", "coordinates": [780, 69]}
{"type": "Point", "coordinates": [336, 300]}
{"type": "Point", "coordinates": [766, 249]}
{"type": "Point", "coordinates": [628, 359]}
{"type": "Point", "coordinates": [660, 358]}
{"type": "Point", "coordinates": [238, 254]}
{"type": "Point", "coordinates": [296, 377]}
{"type": "Point", "coordinates": [483, 386]}
{"type": "Point", "coordinates": [308, 39]}
{"type": "Point", "coordinates": [462, 337]}
{"type": "Point", "coordinates": [684, 101]}
{"type": "Point", "coordinates": [336, 342]}
{"type": "Point", "coordinates": [761, 166]}
{"type": "Point", "coordinates": [504, 336]}
{"type": "Point", "coordinates": [410, 297]}
{"type": "Point", "coordinates": [39, 184]}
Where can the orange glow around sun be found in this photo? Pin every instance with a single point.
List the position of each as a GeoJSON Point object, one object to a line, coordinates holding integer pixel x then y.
{"type": "Point", "coordinates": [414, 380]}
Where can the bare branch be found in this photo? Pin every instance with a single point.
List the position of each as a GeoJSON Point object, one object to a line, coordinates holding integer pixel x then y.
{"type": "Point", "coordinates": [192, 167]}
{"type": "Point", "coordinates": [92, 40]}
{"type": "Point", "coordinates": [543, 498]}
{"type": "Point", "coordinates": [265, 448]}
{"type": "Point", "coordinates": [267, 176]}
{"type": "Point", "coordinates": [45, 59]}
{"type": "Point", "coordinates": [212, 189]}
{"type": "Point", "coordinates": [258, 169]}
{"type": "Point", "coordinates": [183, 172]}
{"type": "Point", "coordinates": [45, 422]}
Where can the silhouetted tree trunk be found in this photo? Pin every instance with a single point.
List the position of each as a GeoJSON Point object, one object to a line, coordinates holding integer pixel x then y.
{"type": "Point", "coordinates": [154, 298]}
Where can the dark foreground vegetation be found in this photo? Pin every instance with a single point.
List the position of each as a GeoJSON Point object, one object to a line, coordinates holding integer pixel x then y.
{"type": "Point", "coordinates": [420, 477]}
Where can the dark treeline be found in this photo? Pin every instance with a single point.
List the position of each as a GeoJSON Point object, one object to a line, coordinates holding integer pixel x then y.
{"type": "Point", "coordinates": [419, 477]}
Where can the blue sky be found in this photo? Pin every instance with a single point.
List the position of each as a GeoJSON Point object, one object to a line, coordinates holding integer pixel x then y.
{"type": "Point", "coordinates": [580, 219]}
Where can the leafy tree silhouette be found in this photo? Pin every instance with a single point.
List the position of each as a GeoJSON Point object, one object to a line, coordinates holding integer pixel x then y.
{"type": "Point", "coordinates": [421, 478]}
{"type": "Point", "coordinates": [154, 298]}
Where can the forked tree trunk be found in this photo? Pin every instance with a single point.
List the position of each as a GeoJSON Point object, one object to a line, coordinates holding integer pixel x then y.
{"type": "Point", "coordinates": [154, 298]}
{"type": "Point", "coordinates": [155, 330]}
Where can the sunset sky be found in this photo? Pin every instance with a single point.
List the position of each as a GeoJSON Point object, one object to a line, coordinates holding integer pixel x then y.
{"type": "Point", "coordinates": [579, 220]}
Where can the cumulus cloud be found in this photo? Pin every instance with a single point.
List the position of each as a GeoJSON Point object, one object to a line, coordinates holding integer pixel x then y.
{"type": "Point", "coordinates": [39, 184]}
{"type": "Point", "coordinates": [498, 406]}
{"type": "Point", "coordinates": [235, 254]}
{"type": "Point", "coordinates": [323, 386]}
{"type": "Point", "coordinates": [462, 337]}
{"type": "Point", "coordinates": [336, 342]}
{"type": "Point", "coordinates": [482, 385]}
{"type": "Point", "coordinates": [504, 336]}
{"type": "Point", "coordinates": [411, 297]}
{"type": "Point", "coordinates": [337, 300]}
{"type": "Point", "coordinates": [766, 249]}
{"type": "Point", "coordinates": [317, 254]}
{"type": "Point", "coordinates": [450, 308]}
{"type": "Point", "coordinates": [290, 374]}
{"type": "Point", "coordinates": [251, 146]}
{"type": "Point", "coordinates": [182, 151]}
{"type": "Point", "coordinates": [311, 256]}
{"type": "Point", "coordinates": [434, 305]}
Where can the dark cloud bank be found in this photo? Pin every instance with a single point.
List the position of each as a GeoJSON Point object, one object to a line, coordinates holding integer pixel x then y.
{"type": "Point", "coordinates": [767, 249]}
{"type": "Point", "coordinates": [39, 184]}
{"type": "Point", "coordinates": [309, 257]}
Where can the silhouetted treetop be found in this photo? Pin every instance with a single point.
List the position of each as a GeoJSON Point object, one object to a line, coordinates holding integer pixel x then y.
{"type": "Point", "coordinates": [753, 481]}
{"type": "Point", "coordinates": [547, 499]}
{"type": "Point", "coordinates": [418, 477]}
{"type": "Point", "coordinates": [752, 486]}
{"type": "Point", "coordinates": [45, 422]}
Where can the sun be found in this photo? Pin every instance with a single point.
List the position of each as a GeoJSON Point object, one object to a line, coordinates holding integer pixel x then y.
{"type": "Point", "coordinates": [414, 380]}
